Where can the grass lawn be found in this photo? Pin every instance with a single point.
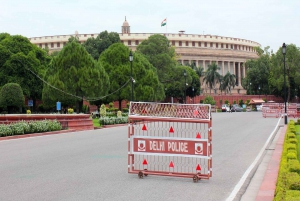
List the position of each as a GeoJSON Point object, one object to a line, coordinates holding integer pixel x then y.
{"type": "Point", "coordinates": [96, 122]}
{"type": "Point", "coordinates": [298, 138]}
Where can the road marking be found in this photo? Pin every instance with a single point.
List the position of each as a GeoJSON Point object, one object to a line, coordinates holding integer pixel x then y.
{"type": "Point", "coordinates": [254, 163]}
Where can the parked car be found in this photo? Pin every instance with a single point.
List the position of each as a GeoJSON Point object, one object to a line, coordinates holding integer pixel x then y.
{"type": "Point", "coordinates": [236, 108]}
{"type": "Point", "coordinates": [225, 108]}
{"type": "Point", "coordinates": [258, 107]}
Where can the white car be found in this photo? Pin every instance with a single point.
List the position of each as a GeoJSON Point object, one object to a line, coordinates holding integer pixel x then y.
{"type": "Point", "coordinates": [258, 107]}
{"type": "Point", "coordinates": [225, 108]}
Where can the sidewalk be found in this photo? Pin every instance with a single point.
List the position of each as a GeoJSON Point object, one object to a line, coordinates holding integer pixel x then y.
{"type": "Point", "coordinates": [263, 184]}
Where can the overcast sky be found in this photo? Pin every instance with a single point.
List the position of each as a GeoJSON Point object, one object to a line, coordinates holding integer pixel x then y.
{"type": "Point", "coordinates": [268, 22]}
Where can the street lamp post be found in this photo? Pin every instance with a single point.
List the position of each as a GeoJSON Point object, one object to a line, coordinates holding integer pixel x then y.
{"type": "Point", "coordinates": [131, 59]}
{"type": "Point", "coordinates": [258, 91]}
{"type": "Point", "coordinates": [184, 74]}
{"type": "Point", "coordinates": [250, 88]}
{"type": "Point", "coordinates": [284, 87]}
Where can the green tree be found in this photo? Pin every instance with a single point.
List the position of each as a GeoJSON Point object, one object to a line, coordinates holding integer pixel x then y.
{"type": "Point", "coordinates": [75, 75]}
{"type": "Point", "coordinates": [116, 62]}
{"type": "Point", "coordinates": [11, 97]}
{"type": "Point", "coordinates": [276, 75]}
{"type": "Point", "coordinates": [177, 88]}
{"type": "Point", "coordinates": [23, 63]}
{"type": "Point", "coordinates": [212, 76]}
{"type": "Point", "coordinates": [228, 81]}
{"type": "Point", "coordinates": [95, 46]}
{"type": "Point", "coordinates": [258, 72]}
{"type": "Point", "coordinates": [161, 55]}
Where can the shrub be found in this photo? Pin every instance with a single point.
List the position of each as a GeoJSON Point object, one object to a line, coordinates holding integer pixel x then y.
{"type": "Point", "coordinates": [292, 195]}
{"type": "Point", "coordinates": [17, 128]}
{"type": "Point", "coordinates": [85, 109]}
{"type": "Point", "coordinates": [119, 114]}
{"type": "Point", "coordinates": [5, 130]}
{"type": "Point", "coordinates": [294, 166]}
{"type": "Point", "coordinates": [11, 97]}
{"type": "Point", "coordinates": [290, 135]}
{"type": "Point", "coordinates": [293, 181]}
{"type": "Point", "coordinates": [247, 102]}
{"type": "Point", "coordinates": [111, 105]}
{"type": "Point", "coordinates": [23, 127]}
{"type": "Point", "coordinates": [112, 120]}
{"type": "Point", "coordinates": [293, 141]}
{"type": "Point", "coordinates": [28, 112]}
{"type": "Point", "coordinates": [126, 110]}
{"type": "Point", "coordinates": [209, 100]}
{"type": "Point", "coordinates": [291, 156]}
{"type": "Point", "coordinates": [102, 110]}
{"type": "Point", "coordinates": [70, 110]}
{"type": "Point", "coordinates": [291, 147]}
{"type": "Point", "coordinates": [241, 102]}
{"type": "Point", "coordinates": [226, 102]}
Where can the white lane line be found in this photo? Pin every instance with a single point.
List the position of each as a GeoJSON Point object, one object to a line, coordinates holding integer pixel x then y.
{"type": "Point", "coordinates": [250, 168]}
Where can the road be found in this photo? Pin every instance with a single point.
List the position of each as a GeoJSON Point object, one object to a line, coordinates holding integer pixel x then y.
{"type": "Point", "coordinates": [92, 165]}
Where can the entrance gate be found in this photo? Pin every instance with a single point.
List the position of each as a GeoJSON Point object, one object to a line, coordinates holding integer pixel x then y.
{"type": "Point", "coordinates": [170, 140]}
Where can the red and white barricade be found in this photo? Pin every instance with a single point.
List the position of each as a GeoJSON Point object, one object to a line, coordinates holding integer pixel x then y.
{"type": "Point", "coordinates": [170, 140]}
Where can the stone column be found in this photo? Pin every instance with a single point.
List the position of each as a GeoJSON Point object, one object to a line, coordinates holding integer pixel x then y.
{"type": "Point", "coordinates": [223, 68]}
{"type": "Point", "coordinates": [228, 66]}
{"type": "Point", "coordinates": [234, 68]}
{"type": "Point", "coordinates": [240, 74]}
{"type": "Point", "coordinates": [244, 67]}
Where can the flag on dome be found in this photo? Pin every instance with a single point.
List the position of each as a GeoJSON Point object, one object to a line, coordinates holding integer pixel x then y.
{"type": "Point", "coordinates": [164, 22]}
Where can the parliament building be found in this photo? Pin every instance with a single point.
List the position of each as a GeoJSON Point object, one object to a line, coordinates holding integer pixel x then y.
{"type": "Point", "coordinates": [229, 53]}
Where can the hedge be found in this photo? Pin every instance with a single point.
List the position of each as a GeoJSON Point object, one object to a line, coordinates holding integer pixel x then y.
{"type": "Point", "coordinates": [23, 127]}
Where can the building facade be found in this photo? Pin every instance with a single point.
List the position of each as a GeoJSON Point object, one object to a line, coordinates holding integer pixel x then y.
{"type": "Point", "coordinates": [229, 53]}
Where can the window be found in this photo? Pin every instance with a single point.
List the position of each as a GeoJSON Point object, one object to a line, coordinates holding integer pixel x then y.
{"type": "Point", "coordinates": [193, 44]}
{"type": "Point", "coordinates": [205, 44]}
{"type": "Point", "coordinates": [136, 42]}
{"type": "Point", "coordinates": [92, 35]}
{"type": "Point", "coordinates": [199, 44]}
{"type": "Point", "coordinates": [52, 45]}
{"type": "Point", "coordinates": [180, 43]}
{"type": "Point", "coordinates": [46, 44]}
{"type": "Point", "coordinates": [84, 35]}
{"type": "Point", "coordinates": [227, 46]}
{"type": "Point", "coordinates": [217, 45]}
{"type": "Point", "coordinates": [222, 45]}
{"type": "Point", "coordinates": [211, 44]}
{"type": "Point", "coordinates": [58, 44]}
{"type": "Point", "coordinates": [40, 45]}
{"type": "Point", "coordinates": [129, 42]}
{"type": "Point", "coordinates": [173, 43]}
{"type": "Point", "coordinates": [122, 41]}
{"type": "Point", "coordinates": [186, 43]}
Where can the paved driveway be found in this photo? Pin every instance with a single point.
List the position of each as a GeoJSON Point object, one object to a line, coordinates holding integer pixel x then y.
{"type": "Point", "coordinates": [92, 165]}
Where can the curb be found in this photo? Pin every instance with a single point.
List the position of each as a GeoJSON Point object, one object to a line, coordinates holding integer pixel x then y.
{"type": "Point", "coordinates": [267, 188]}
{"type": "Point", "coordinates": [36, 134]}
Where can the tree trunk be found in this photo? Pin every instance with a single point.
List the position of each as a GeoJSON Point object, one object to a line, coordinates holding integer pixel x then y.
{"type": "Point", "coordinates": [120, 105]}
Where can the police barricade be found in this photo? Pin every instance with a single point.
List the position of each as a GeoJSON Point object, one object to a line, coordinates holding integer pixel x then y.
{"type": "Point", "coordinates": [170, 140]}
{"type": "Point", "coordinates": [266, 112]}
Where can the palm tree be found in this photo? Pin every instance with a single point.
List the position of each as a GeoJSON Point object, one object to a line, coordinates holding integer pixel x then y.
{"type": "Point", "coordinates": [229, 81]}
{"type": "Point", "coordinates": [212, 76]}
